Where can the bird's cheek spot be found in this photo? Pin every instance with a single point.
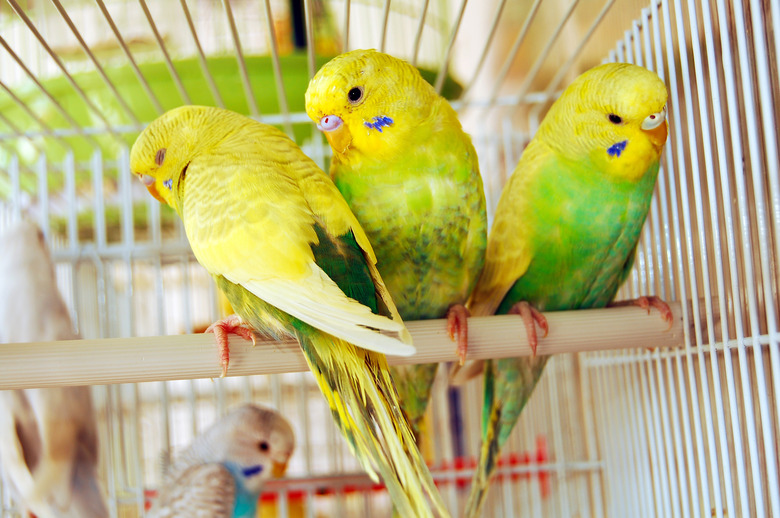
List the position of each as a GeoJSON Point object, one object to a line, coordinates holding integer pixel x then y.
{"type": "Point", "coordinates": [379, 122]}
{"type": "Point", "coordinates": [168, 183]}
{"type": "Point", "coordinates": [615, 150]}
{"type": "Point", "coordinates": [251, 471]}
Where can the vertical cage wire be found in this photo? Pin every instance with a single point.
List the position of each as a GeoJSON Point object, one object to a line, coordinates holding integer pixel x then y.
{"type": "Point", "coordinates": [706, 417]}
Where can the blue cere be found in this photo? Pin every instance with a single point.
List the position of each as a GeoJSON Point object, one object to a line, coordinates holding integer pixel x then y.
{"type": "Point", "coordinates": [168, 183]}
{"type": "Point", "coordinates": [617, 149]}
{"type": "Point", "coordinates": [252, 470]}
{"type": "Point", "coordinates": [379, 123]}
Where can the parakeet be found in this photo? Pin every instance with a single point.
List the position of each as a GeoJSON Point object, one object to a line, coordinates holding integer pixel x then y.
{"type": "Point", "coordinates": [410, 174]}
{"type": "Point", "coordinates": [567, 226]}
{"type": "Point", "coordinates": [48, 437]}
{"type": "Point", "coordinates": [290, 256]}
{"type": "Point", "coordinates": [223, 471]}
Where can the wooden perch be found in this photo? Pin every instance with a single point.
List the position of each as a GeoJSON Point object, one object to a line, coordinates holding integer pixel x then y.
{"type": "Point", "coordinates": [159, 358]}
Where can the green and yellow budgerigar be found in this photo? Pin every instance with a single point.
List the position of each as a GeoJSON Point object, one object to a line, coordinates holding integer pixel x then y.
{"type": "Point", "coordinates": [290, 256]}
{"type": "Point", "coordinates": [567, 226]}
{"type": "Point", "coordinates": [410, 174]}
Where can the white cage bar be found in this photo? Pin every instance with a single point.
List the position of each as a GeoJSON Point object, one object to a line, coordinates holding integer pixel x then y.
{"type": "Point", "coordinates": [689, 428]}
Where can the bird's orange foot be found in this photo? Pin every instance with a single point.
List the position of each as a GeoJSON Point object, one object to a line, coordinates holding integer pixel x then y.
{"type": "Point", "coordinates": [221, 329]}
{"type": "Point", "coordinates": [649, 302]}
{"type": "Point", "coordinates": [458, 329]}
{"type": "Point", "coordinates": [531, 317]}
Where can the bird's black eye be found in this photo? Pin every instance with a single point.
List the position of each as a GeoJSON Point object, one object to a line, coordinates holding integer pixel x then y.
{"type": "Point", "coordinates": [160, 156]}
{"type": "Point", "coordinates": [615, 119]}
{"type": "Point", "coordinates": [263, 446]}
{"type": "Point", "coordinates": [355, 94]}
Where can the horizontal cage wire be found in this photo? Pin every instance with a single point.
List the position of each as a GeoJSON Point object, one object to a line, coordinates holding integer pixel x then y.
{"type": "Point", "coordinates": [679, 424]}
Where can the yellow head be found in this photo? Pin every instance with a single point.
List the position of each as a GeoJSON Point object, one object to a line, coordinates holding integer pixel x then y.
{"type": "Point", "coordinates": [613, 116]}
{"type": "Point", "coordinates": [164, 150]}
{"type": "Point", "coordinates": [367, 101]}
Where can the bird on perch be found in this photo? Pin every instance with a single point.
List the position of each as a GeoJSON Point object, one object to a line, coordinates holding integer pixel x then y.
{"type": "Point", "coordinates": [566, 228]}
{"type": "Point", "coordinates": [290, 256]}
{"type": "Point", "coordinates": [411, 176]}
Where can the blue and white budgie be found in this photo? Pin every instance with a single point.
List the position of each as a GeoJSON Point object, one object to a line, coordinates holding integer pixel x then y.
{"type": "Point", "coordinates": [223, 471]}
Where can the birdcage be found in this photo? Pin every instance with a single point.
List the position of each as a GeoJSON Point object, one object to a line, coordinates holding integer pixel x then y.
{"type": "Point", "coordinates": [682, 422]}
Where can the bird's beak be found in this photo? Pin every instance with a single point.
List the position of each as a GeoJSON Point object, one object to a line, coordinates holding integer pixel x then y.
{"type": "Point", "coordinates": [658, 135]}
{"type": "Point", "coordinates": [153, 191]}
{"type": "Point", "coordinates": [278, 469]}
{"type": "Point", "coordinates": [656, 128]}
{"type": "Point", "coordinates": [151, 186]}
{"type": "Point", "coordinates": [336, 132]}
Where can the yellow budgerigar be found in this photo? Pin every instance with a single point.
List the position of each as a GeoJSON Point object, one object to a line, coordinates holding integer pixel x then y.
{"type": "Point", "coordinates": [290, 256]}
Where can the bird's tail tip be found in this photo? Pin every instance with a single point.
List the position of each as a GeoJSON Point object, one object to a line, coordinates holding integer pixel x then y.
{"type": "Point", "coordinates": [364, 403]}
{"type": "Point", "coordinates": [475, 502]}
{"type": "Point", "coordinates": [486, 466]}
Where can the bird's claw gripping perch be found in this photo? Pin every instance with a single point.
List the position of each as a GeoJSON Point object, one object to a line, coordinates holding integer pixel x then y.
{"type": "Point", "coordinates": [458, 329]}
{"type": "Point", "coordinates": [531, 317]}
{"type": "Point", "coordinates": [649, 302]}
{"type": "Point", "coordinates": [221, 329]}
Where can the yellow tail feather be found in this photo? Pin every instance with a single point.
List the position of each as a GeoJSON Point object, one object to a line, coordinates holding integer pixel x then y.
{"type": "Point", "coordinates": [365, 406]}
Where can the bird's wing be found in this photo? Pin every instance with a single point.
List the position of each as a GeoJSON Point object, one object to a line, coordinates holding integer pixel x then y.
{"type": "Point", "coordinates": [202, 491]}
{"type": "Point", "coordinates": [509, 249]}
{"type": "Point", "coordinates": [260, 236]}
